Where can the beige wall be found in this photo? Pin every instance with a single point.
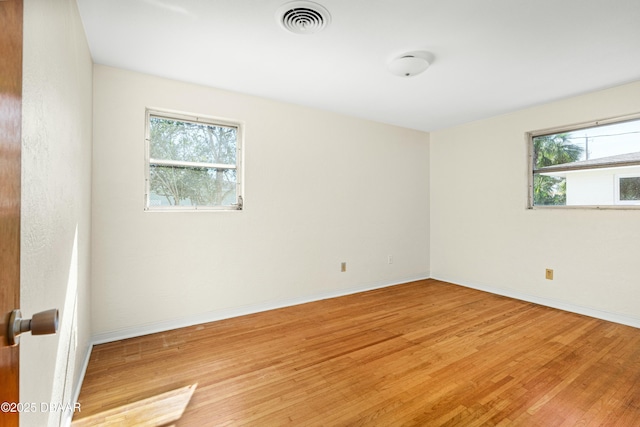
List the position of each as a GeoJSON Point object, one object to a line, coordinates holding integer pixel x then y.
{"type": "Point", "coordinates": [320, 188]}
{"type": "Point", "coordinates": [483, 236]}
{"type": "Point", "coordinates": [56, 201]}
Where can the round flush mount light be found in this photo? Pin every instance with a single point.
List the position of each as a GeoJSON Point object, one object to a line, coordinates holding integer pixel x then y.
{"type": "Point", "coordinates": [303, 17]}
{"type": "Point", "coordinates": [410, 63]}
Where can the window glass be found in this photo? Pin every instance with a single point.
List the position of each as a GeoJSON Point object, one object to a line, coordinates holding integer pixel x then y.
{"type": "Point", "coordinates": [192, 163]}
{"type": "Point", "coordinates": [630, 188]}
{"type": "Point", "coordinates": [192, 142]}
{"type": "Point", "coordinates": [579, 166]}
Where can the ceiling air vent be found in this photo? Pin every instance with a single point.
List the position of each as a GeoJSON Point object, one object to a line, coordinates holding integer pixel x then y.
{"type": "Point", "coordinates": [303, 17]}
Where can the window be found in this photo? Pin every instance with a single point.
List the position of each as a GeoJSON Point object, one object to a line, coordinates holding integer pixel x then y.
{"type": "Point", "coordinates": [193, 163]}
{"type": "Point", "coordinates": [627, 190]}
{"type": "Point", "coordinates": [595, 164]}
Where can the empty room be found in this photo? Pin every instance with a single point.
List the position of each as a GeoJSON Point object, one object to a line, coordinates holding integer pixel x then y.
{"type": "Point", "coordinates": [320, 213]}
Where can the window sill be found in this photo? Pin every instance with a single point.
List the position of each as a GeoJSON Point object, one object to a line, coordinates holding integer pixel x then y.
{"type": "Point", "coordinates": [587, 207]}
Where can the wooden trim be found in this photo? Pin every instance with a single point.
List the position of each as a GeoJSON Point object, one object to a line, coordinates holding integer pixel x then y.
{"type": "Point", "coordinates": [11, 23]}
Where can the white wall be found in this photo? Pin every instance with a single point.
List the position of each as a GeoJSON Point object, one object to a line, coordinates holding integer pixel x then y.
{"type": "Point", "coordinates": [595, 186]}
{"type": "Point", "coordinates": [56, 201]}
{"type": "Point", "coordinates": [320, 188]}
{"type": "Point", "coordinates": [483, 236]}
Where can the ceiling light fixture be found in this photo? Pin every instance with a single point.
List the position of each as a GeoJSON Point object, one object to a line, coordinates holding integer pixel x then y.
{"type": "Point", "coordinates": [410, 63]}
{"type": "Point", "coordinates": [303, 17]}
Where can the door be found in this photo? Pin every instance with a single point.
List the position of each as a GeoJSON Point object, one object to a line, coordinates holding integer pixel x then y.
{"type": "Point", "coordinates": [10, 149]}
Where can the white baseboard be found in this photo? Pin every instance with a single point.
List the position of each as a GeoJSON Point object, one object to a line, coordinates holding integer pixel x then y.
{"type": "Point", "coordinates": [213, 316]}
{"type": "Point", "coordinates": [561, 305]}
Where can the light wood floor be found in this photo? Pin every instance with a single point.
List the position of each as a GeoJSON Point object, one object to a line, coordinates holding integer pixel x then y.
{"type": "Point", "coordinates": [426, 353]}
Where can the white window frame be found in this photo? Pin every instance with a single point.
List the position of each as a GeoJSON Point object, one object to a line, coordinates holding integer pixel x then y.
{"type": "Point", "coordinates": [529, 136]}
{"type": "Point", "coordinates": [197, 119]}
{"type": "Point", "coordinates": [617, 189]}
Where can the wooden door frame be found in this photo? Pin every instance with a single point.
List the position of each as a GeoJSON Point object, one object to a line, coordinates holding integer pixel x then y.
{"type": "Point", "coordinates": [11, 39]}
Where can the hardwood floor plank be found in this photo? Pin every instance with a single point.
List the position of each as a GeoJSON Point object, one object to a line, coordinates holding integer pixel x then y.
{"type": "Point", "coordinates": [422, 353]}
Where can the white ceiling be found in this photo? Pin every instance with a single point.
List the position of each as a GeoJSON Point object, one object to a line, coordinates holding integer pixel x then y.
{"type": "Point", "coordinates": [491, 56]}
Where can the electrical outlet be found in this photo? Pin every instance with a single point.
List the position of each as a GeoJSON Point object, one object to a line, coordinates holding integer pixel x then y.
{"type": "Point", "coordinates": [343, 267]}
{"type": "Point", "coordinates": [548, 274]}
{"type": "Point", "coordinates": [390, 259]}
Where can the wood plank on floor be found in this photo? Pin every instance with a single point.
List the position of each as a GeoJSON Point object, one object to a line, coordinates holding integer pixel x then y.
{"type": "Point", "coordinates": [422, 353]}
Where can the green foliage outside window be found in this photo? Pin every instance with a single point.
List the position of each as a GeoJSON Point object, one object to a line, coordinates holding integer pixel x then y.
{"type": "Point", "coordinates": [192, 184]}
{"type": "Point", "coordinates": [550, 150]}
